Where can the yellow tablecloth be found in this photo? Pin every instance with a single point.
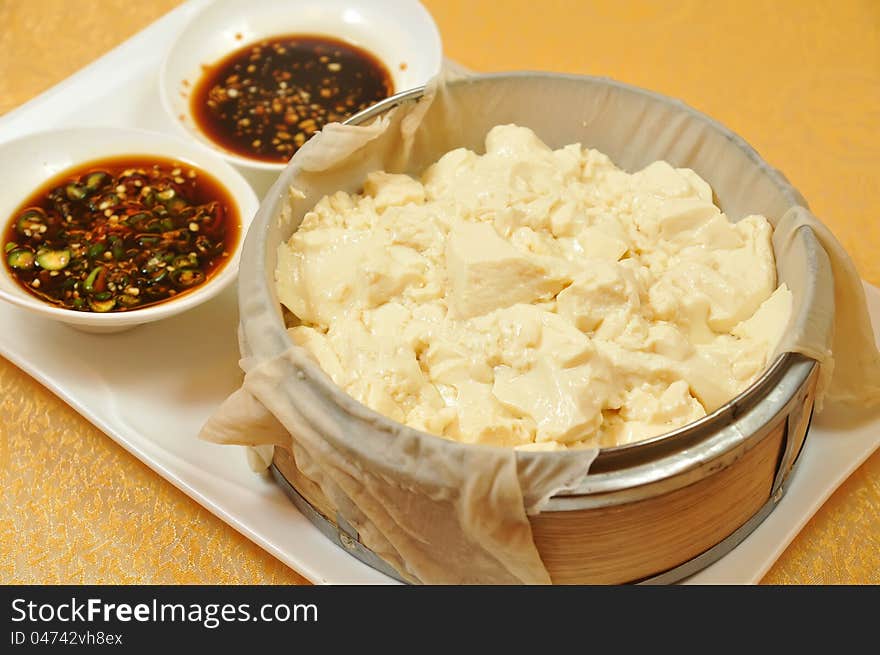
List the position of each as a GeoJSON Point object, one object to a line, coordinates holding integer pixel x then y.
{"type": "Point", "coordinates": [799, 80]}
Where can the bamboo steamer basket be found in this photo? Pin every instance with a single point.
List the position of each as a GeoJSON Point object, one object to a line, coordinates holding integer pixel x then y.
{"type": "Point", "coordinates": [654, 511]}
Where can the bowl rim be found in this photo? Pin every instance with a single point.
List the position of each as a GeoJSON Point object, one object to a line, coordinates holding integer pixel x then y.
{"type": "Point", "coordinates": [202, 158]}
{"type": "Point", "coordinates": [436, 49]}
{"type": "Point", "coordinates": [628, 466]}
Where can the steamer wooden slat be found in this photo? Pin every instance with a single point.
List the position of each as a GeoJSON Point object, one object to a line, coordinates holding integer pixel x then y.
{"type": "Point", "coordinates": [625, 543]}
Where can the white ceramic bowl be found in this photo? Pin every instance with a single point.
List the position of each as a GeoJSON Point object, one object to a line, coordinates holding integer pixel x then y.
{"type": "Point", "coordinates": [29, 162]}
{"type": "Point", "coordinates": [401, 33]}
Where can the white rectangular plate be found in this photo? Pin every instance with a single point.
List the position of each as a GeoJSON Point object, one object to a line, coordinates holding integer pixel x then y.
{"type": "Point", "coordinates": [151, 389]}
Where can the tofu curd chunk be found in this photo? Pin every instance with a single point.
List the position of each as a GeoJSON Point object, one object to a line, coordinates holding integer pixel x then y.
{"type": "Point", "coordinates": [485, 272]}
{"type": "Point", "coordinates": [534, 298]}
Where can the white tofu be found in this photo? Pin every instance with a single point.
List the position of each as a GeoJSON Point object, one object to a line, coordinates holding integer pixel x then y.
{"type": "Point", "coordinates": [534, 298]}
{"type": "Point", "coordinates": [486, 273]}
{"type": "Point", "coordinates": [393, 190]}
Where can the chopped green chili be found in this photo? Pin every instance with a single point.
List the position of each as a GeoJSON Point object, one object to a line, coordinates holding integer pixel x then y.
{"type": "Point", "coordinates": [53, 260]}
{"type": "Point", "coordinates": [21, 258]}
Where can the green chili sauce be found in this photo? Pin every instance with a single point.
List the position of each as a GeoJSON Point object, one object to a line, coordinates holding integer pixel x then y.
{"type": "Point", "coordinates": [121, 233]}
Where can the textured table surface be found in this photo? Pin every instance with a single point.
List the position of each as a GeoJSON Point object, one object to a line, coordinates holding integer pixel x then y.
{"type": "Point", "coordinates": [798, 80]}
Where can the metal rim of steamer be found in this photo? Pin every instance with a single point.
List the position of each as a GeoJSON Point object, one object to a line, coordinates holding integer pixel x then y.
{"type": "Point", "coordinates": [628, 473]}
{"type": "Point", "coordinates": [790, 379]}
{"type": "Point", "coordinates": [346, 537]}
{"type": "Point", "coordinates": [795, 370]}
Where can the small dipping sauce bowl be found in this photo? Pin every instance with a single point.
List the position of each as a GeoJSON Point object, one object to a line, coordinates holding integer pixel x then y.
{"type": "Point", "coordinates": [398, 34]}
{"type": "Point", "coordinates": [32, 161]}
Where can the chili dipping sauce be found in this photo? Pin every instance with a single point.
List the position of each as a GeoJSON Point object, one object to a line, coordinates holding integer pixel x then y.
{"type": "Point", "coordinates": [121, 233]}
{"type": "Point", "coordinates": [266, 99]}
